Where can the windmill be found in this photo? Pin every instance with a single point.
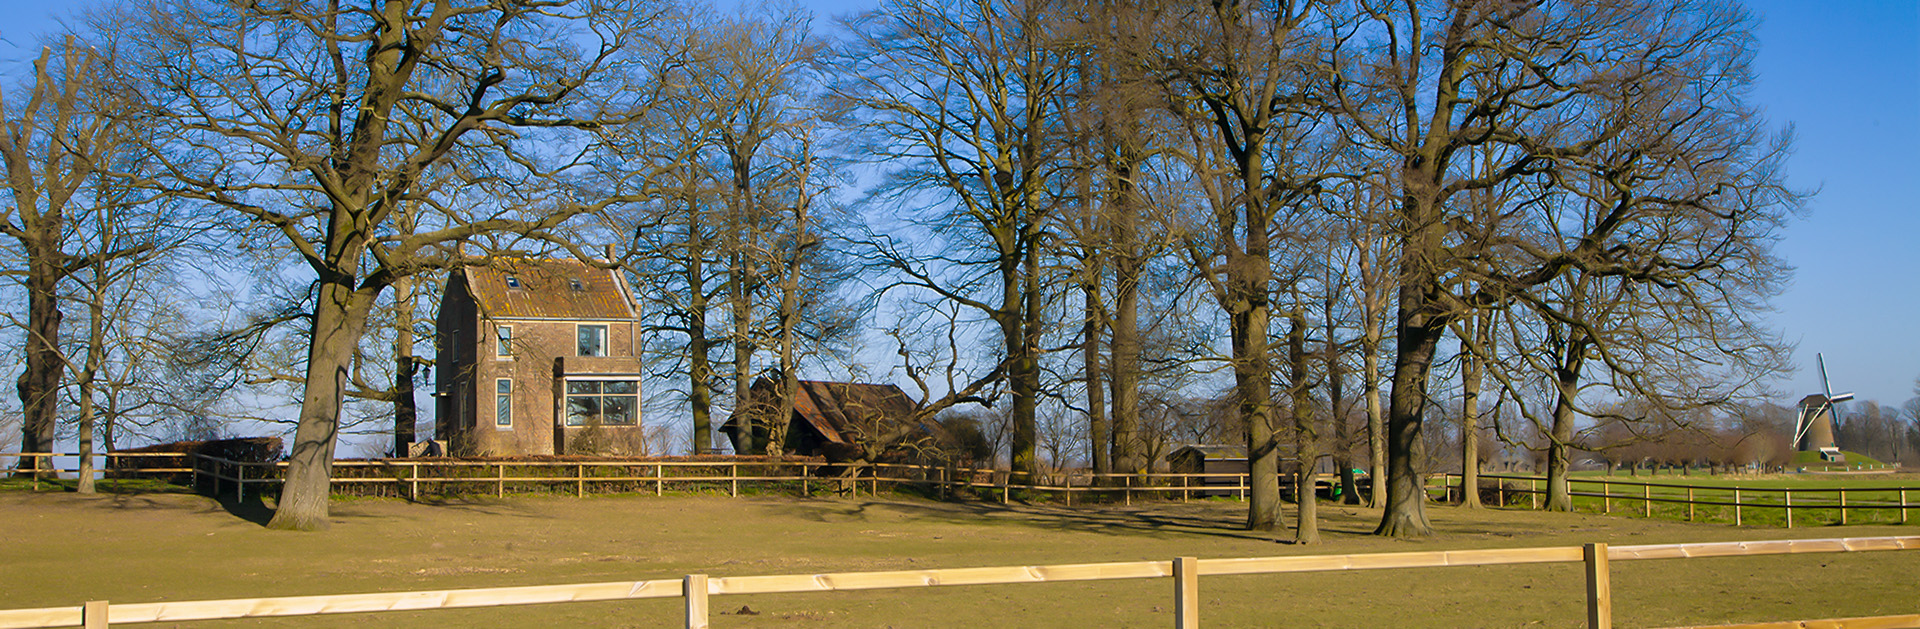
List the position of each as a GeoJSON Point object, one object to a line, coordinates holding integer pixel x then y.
{"type": "Point", "coordinates": [1813, 429]}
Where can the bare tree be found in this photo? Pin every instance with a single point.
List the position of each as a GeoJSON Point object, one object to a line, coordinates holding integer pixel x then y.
{"type": "Point", "coordinates": [1235, 88]}
{"type": "Point", "coordinates": [57, 144]}
{"type": "Point", "coordinates": [1544, 86]}
{"type": "Point", "coordinates": [961, 97]}
{"type": "Point", "coordinates": [298, 119]}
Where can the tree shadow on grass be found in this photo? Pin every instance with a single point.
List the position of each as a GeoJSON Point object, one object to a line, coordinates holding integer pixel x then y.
{"type": "Point", "coordinates": [1198, 520]}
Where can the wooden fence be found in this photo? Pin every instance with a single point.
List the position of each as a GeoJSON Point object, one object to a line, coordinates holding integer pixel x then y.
{"type": "Point", "coordinates": [1740, 499]}
{"type": "Point", "coordinates": [45, 470]}
{"type": "Point", "coordinates": [697, 590]}
{"type": "Point", "coordinates": [413, 478]}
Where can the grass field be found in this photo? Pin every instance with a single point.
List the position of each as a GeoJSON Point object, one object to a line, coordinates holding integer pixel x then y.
{"type": "Point", "coordinates": [62, 549]}
{"type": "Point", "coordinates": [1871, 497]}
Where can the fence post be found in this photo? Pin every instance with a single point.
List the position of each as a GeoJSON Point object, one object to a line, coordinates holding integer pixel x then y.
{"type": "Point", "coordinates": [500, 480]}
{"type": "Point", "coordinates": [1903, 506]}
{"type": "Point", "coordinates": [1066, 480]}
{"type": "Point", "coordinates": [580, 480]}
{"type": "Point", "coordinates": [733, 475]}
{"type": "Point", "coordinates": [1128, 492]}
{"type": "Point", "coordinates": [239, 482]}
{"type": "Point", "coordinates": [1789, 507]}
{"type": "Point", "coordinates": [695, 589]}
{"type": "Point", "coordinates": [1646, 499]}
{"type": "Point", "coordinates": [1533, 492]}
{"type": "Point", "coordinates": [659, 479]}
{"type": "Point", "coordinates": [93, 615]}
{"type": "Point", "coordinates": [1736, 507]}
{"type": "Point", "coordinates": [1599, 587]}
{"type": "Point", "coordinates": [1689, 504]}
{"type": "Point", "coordinates": [1606, 497]}
{"type": "Point", "coordinates": [1843, 507]}
{"type": "Point", "coordinates": [1186, 593]}
{"type": "Point", "coordinates": [413, 482]}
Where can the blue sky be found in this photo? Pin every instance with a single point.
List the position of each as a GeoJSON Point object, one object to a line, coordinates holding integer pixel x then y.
{"type": "Point", "coordinates": [1845, 74]}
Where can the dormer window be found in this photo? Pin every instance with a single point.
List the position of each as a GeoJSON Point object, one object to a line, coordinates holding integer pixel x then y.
{"type": "Point", "coordinates": [513, 281]}
{"type": "Point", "coordinates": [577, 286]}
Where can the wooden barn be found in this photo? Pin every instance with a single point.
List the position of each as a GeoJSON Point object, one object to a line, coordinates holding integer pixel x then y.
{"type": "Point", "coordinates": [842, 421]}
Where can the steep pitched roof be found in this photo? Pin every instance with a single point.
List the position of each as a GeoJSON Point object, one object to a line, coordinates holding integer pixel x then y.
{"type": "Point", "coordinates": [549, 289]}
{"type": "Point", "coordinates": [839, 409]}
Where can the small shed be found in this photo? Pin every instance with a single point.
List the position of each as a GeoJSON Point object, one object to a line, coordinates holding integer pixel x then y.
{"type": "Point", "coordinates": [1221, 459]}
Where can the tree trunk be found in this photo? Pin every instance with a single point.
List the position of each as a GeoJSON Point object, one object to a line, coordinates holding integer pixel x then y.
{"type": "Point", "coordinates": [1025, 374]}
{"type": "Point", "coordinates": [1252, 378]}
{"type": "Point", "coordinates": [1376, 419]}
{"type": "Point", "coordinates": [405, 409]}
{"type": "Point", "coordinates": [339, 321]}
{"type": "Point", "coordinates": [789, 317]}
{"type": "Point", "coordinates": [1559, 445]}
{"type": "Point", "coordinates": [1099, 429]}
{"type": "Point", "coordinates": [1306, 434]}
{"type": "Point", "coordinates": [699, 364]}
{"type": "Point", "coordinates": [1124, 369]}
{"type": "Point", "coordinates": [1473, 333]}
{"type": "Point", "coordinates": [1342, 430]}
{"type": "Point", "coordinates": [39, 384]}
{"type": "Point", "coordinates": [1405, 513]}
{"type": "Point", "coordinates": [741, 305]}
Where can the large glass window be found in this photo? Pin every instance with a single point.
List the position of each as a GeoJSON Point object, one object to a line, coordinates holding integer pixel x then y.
{"type": "Point", "coordinates": [503, 337]}
{"type": "Point", "coordinates": [605, 402]}
{"type": "Point", "coordinates": [593, 340]}
{"type": "Point", "coordinates": [503, 402]}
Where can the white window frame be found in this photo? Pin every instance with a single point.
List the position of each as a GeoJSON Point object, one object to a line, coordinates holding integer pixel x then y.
{"type": "Point", "coordinates": [567, 395]}
{"type": "Point", "coordinates": [606, 339]}
{"type": "Point", "coordinates": [503, 402]}
{"type": "Point", "coordinates": [503, 343]}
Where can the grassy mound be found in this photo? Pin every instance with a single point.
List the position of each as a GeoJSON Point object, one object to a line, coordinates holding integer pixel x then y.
{"type": "Point", "coordinates": [1812, 459]}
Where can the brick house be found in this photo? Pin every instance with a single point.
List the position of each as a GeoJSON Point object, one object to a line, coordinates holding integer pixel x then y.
{"type": "Point", "coordinates": [538, 357]}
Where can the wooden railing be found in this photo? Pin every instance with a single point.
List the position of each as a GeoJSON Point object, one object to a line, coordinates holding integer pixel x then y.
{"type": "Point", "coordinates": [1741, 499]}
{"type": "Point", "coordinates": [697, 590]}
{"type": "Point", "coordinates": [44, 469]}
{"type": "Point", "coordinates": [803, 476]}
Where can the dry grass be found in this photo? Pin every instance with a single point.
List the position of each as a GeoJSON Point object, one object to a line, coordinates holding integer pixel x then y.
{"type": "Point", "coordinates": [62, 549]}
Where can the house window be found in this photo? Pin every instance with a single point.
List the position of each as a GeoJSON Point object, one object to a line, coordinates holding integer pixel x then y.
{"type": "Point", "coordinates": [603, 402]}
{"type": "Point", "coordinates": [503, 335]}
{"type": "Point", "coordinates": [503, 402]}
{"type": "Point", "coordinates": [513, 281]}
{"type": "Point", "coordinates": [593, 340]}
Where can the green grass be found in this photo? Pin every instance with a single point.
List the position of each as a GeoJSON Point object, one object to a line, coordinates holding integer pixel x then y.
{"type": "Point", "coordinates": [131, 548]}
{"type": "Point", "coordinates": [1812, 460]}
{"type": "Point", "coordinates": [1815, 498]}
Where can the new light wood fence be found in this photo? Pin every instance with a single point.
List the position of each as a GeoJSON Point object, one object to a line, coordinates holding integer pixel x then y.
{"type": "Point", "coordinates": [697, 590]}
{"type": "Point", "coordinates": [1742, 500]}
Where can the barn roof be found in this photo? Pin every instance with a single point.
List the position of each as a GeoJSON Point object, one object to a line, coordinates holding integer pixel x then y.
{"type": "Point", "coordinates": [549, 289]}
{"type": "Point", "coordinates": [837, 408]}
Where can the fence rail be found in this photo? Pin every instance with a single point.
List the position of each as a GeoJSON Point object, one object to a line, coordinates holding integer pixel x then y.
{"type": "Point", "coordinates": [407, 477]}
{"type": "Point", "coordinates": [697, 589]}
{"type": "Point", "coordinates": [1742, 499]}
